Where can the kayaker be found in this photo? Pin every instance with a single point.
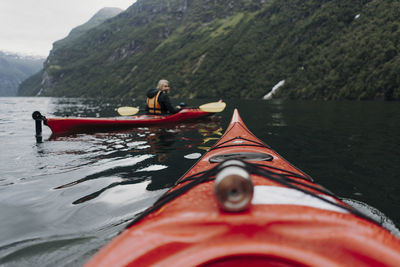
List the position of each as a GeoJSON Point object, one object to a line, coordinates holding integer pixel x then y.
{"type": "Point", "coordinates": [158, 101]}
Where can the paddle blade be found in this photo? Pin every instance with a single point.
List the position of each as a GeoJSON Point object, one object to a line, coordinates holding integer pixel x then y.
{"type": "Point", "coordinates": [127, 111]}
{"type": "Point", "coordinates": [213, 107]}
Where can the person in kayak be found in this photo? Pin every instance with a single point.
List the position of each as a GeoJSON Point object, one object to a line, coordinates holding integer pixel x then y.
{"type": "Point", "coordinates": [158, 101]}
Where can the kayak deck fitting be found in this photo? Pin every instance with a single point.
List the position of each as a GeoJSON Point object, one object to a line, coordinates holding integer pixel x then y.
{"type": "Point", "coordinates": [242, 204]}
{"type": "Point", "coordinates": [81, 124]}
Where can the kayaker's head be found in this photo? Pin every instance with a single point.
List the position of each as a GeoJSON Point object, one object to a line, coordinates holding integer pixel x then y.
{"type": "Point", "coordinates": [163, 85]}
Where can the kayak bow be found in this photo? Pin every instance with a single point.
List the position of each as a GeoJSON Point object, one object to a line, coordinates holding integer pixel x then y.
{"type": "Point", "coordinates": [243, 204]}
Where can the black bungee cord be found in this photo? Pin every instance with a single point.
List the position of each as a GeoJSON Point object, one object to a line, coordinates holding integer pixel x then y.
{"type": "Point", "coordinates": [280, 176]}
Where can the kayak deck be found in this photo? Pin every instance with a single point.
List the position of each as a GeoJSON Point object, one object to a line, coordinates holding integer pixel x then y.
{"type": "Point", "coordinates": [80, 124]}
{"type": "Point", "coordinates": [290, 221]}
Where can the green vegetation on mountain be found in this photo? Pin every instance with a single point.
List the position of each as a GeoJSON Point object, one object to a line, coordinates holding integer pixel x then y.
{"type": "Point", "coordinates": [32, 85]}
{"type": "Point", "coordinates": [14, 69]}
{"type": "Point", "coordinates": [325, 49]}
{"type": "Point", "coordinates": [102, 15]}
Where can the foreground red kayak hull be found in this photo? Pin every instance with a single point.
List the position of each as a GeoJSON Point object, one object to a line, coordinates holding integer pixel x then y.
{"type": "Point", "coordinates": [80, 124]}
{"type": "Point", "coordinates": [282, 226]}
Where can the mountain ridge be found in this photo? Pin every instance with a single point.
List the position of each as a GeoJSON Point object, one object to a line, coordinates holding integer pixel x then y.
{"type": "Point", "coordinates": [14, 68]}
{"type": "Point", "coordinates": [322, 49]}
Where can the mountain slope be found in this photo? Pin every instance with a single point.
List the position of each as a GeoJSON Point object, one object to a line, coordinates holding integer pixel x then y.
{"type": "Point", "coordinates": [36, 83]}
{"type": "Point", "coordinates": [322, 49]}
{"type": "Point", "coordinates": [98, 18]}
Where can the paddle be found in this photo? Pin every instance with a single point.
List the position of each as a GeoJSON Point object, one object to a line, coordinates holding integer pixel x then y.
{"type": "Point", "coordinates": [212, 107]}
{"type": "Point", "coordinates": [127, 111]}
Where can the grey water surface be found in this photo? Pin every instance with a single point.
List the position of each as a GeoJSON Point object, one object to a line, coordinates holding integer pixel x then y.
{"type": "Point", "coordinates": [63, 199]}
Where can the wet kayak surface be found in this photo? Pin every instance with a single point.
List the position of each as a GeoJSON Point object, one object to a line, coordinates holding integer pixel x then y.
{"type": "Point", "coordinates": [63, 199]}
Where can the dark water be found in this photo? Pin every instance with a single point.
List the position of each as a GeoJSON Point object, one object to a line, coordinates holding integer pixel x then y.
{"type": "Point", "coordinates": [63, 199]}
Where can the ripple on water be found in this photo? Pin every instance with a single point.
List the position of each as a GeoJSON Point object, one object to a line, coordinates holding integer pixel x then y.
{"type": "Point", "coordinates": [50, 251]}
{"type": "Point", "coordinates": [152, 168]}
{"type": "Point", "coordinates": [127, 193]}
{"type": "Point", "coordinates": [192, 156]}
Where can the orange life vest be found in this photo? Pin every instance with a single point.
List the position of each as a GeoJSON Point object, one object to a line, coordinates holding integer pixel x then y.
{"type": "Point", "coordinates": [153, 105]}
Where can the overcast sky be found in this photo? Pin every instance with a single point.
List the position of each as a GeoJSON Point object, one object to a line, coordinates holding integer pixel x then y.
{"type": "Point", "coordinates": [31, 26]}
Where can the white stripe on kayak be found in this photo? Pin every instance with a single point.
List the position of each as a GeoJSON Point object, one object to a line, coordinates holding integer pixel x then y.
{"type": "Point", "coordinates": [286, 196]}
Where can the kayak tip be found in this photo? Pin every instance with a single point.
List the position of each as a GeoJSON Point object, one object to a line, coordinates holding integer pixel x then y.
{"type": "Point", "coordinates": [236, 117]}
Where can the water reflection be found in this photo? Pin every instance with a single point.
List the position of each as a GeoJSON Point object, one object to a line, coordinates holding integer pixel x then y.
{"type": "Point", "coordinates": [277, 120]}
{"type": "Point", "coordinates": [192, 156]}
{"type": "Point", "coordinates": [146, 155]}
{"type": "Point", "coordinates": [114, 167]}
{"type": "Point", "coordinates": [209, 137]}
{"type": "Point", "coordinates": [124, 193]}
{"type": "Point", "coordinates": [99, 192]}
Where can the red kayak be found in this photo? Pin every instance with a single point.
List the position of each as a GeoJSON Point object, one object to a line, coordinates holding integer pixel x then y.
{"type": "Point", "coordinates": [242, 204]}
{"type": "Point", "coordinates": [81, 124]}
